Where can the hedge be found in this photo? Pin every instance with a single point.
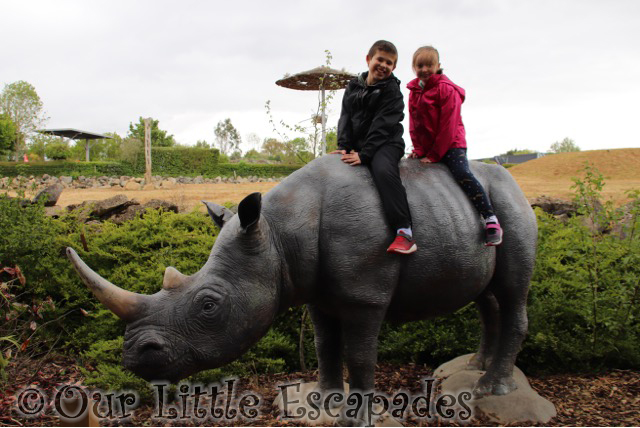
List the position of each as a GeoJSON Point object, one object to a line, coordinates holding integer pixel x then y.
{"type": "Point", "coordinates": [179, 161]}
{"type": "Point", "coordinates": [259, 170]}
{"type": "Point", "coordinates": [58, 168]}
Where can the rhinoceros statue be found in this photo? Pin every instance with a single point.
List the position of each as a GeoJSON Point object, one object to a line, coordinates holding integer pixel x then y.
{"type": "Point", "coordinates": [319, 238]}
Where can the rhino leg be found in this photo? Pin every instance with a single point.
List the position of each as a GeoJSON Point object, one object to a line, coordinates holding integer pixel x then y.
{"type": "Point", "coordinates": [490, 317]}
{"type": "Point", "coordinates": [498, 380]}
{"type": "Point", "coordinates": [328, 349]}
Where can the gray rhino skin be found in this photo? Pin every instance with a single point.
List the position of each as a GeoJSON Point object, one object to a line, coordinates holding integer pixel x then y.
{"type": "Point", "coordinates": [319, 238]}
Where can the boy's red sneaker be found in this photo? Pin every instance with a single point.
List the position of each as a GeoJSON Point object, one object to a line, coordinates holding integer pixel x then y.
{"type": "Point", "coordinates": [403, 244]}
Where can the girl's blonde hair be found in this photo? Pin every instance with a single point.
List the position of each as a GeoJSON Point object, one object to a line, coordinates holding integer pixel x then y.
{"type": "Point", "coordinates": [424, 49]}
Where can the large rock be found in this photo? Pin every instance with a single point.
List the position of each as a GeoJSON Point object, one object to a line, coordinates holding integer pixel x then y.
{"type": "Point", "coordinates": [49, 195]}
{"type": "Point", "coordinates": [523, 405]}
{"type": "Point", "coordinates": [132, 211]}
{"type": "Point", "coordinates": [106, 208]}
{"type": "Point", "coordinates": [554, 206]}
{"type": "Point", "coordinates": [132, 185]}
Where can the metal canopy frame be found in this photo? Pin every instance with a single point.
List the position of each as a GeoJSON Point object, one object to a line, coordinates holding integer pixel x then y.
{"type": "Point", "coordinates": [318, 79]}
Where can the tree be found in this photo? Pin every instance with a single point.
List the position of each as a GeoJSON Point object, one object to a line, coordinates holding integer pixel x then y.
{"type": "Point", "coordinates": [20, 101]}
{"type": "Point", "coordinates": [564, 146]}
{"type": "Point", "coordinates": [202, 144]}
{"type": "Point", "coordinates": [274, 149]}
{"type": "Point", "coordinates": [159, 138]}
{"type": "Point", "coordinates": [57, 149]}
{"type": "Point", "coordinates": [516, 151]}
{"type": "Point", "coordinates": [227, 137]}
{"type": "Point", "coordinates": [7, 134]}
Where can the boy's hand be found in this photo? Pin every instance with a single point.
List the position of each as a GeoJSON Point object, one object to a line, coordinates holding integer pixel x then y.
{"type": "Point", "coordinates": [338, 152]}
{"type": "Point", "coordinates": [425, 160]}
{"type": "Point", "coordinates": [352, 159]}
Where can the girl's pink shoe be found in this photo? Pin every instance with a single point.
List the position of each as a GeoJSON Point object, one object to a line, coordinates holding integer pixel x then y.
{"type": "Point", "coordinates": [492, 235]}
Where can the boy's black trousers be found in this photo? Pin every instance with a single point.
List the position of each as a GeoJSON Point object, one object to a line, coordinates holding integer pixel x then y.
{"type": "Point", "coordinates": [386, 175]}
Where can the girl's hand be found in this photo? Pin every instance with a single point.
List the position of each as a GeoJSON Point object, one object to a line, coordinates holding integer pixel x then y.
{"type": "Point", "coordinates": [413, 155]}
{"type": "Point", "coordinates": [425, 160]}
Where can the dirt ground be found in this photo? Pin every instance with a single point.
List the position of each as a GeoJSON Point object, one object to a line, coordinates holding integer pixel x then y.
{"type": "Point", "coordinates": [550, 175]}
{"type": "Point", "coordinates": [609, 398]}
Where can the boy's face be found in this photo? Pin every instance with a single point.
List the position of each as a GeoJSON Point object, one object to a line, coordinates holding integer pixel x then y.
{"type": "Point", "coordinates": [381, 64]}
{"type": "Point", "coordinates": [426, 64]}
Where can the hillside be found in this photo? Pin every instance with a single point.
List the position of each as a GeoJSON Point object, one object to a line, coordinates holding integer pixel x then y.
{"type": "Point", "coordinates": [552, 174]}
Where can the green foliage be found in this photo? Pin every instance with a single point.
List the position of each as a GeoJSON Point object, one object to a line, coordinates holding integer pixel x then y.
{"type": "Point", "coordinates": [227, 137]}
{"type": "Point", "coordinates": [564, 146]}
{"type": "Point", "coordinates": [159, 138]}
{"type": "Point", "coordinates": [58, 168]}
{"type": "Point", "coordinates": [516, 151]}
{"type": "Point", "coordinates": [8, 133]}
{"type": "Point", "coordinates": [57, 150]}
{"type": "Point", "coordinates": [177, 161]}
{"type": "Point", "coordinates": [21, 103]}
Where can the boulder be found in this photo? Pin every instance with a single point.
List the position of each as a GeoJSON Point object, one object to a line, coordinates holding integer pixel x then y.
{"type": "Point", "coordinates": [49, 195]}
{"type": "Point", "coordinates": [523, 405]}
{"type": "Point", "coordinates": [132, 185]}
{"type": "Point", "coordinates": [554, 206]}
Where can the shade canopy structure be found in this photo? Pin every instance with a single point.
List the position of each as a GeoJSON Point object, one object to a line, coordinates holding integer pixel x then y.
{"type": "Point", "coordinates": [318, 79]}
{"type": "Point", "coordinates": [75, 134]}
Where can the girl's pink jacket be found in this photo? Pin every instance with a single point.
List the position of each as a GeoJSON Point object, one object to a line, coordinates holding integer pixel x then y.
{"type": "Point", "coordinates": [435, 123]}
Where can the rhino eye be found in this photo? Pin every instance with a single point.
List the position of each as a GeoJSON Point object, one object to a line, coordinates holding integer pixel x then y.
{"type": "Point", "coordinates": [208, 306]}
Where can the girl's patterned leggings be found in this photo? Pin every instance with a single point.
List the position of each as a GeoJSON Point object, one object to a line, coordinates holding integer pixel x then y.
{"type": "Point", "coordinates": [456, 161]}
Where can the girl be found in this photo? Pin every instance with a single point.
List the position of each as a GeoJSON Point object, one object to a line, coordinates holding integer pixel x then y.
{"type": "Point", "coordinates": [438, 133]}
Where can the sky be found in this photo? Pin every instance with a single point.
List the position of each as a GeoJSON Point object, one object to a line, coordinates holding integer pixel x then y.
{"type": "Point", "coordinates": [534, 72]}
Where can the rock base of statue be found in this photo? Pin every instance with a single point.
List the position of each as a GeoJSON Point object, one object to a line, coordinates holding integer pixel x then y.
{"type": "Point", "coordinates": [298, 411]}
{"type": "Point", "coordinates": [520, 406]}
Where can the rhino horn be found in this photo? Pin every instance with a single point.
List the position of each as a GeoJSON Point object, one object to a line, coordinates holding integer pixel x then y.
{"type": "Point", "coordinates": [123, 303]}
{"type": "Point", "coordinates": [173, 278]}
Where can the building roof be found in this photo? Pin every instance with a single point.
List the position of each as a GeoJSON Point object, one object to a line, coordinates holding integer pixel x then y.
{"type": "Point", "coordinates": [74, 134]}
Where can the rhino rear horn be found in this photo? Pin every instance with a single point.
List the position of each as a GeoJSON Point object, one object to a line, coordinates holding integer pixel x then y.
{"type": "Point", "coordinates": [249, 210]}
{"type": "Point", "coordinates": [173, 278]}
{"type": "Point", "coordinates": [219, 214]}
{"type": "Point", "coordinates": [125, 304]}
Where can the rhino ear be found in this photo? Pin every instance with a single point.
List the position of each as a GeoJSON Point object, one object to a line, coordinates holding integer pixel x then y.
{"type": "Point", "coordinates": [249, 210]}
{"type": "Point", "coordinates": [218, 213]}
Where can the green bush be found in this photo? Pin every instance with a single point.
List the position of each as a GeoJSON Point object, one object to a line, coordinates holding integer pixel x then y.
{"type": "Point", "coordinates": [179, 161]}
{"type": "Point", "coordinates": [58, 168]}
{"type": "Point", "coordinates": [583, 303]}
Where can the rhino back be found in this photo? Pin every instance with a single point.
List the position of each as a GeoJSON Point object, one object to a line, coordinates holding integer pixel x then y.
{"type": "Point", "coordinates": [330, 221]}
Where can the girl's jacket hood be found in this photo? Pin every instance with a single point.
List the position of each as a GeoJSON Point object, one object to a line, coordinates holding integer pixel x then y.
{"type": "Point", "coordinates": [435, 121]}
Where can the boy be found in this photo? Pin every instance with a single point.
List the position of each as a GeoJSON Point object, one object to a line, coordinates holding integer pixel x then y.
{"type": "Point", "coordinates": [370, 133]}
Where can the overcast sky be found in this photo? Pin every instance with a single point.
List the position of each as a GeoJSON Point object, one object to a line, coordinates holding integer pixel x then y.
{"type": "Point", "coordinates": [534, 71]}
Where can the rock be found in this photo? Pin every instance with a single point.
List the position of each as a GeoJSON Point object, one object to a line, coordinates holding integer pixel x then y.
{"type": "Point", "coordinates": [554, 206]}
{"type": "Point", "coordinates": [105, 208]}
{"type": "Point", "coordinates": [132, 185]}
{"type": "Point", "coordinates": [148, 186]}
{"type": "Point", "coordinates": [167, 184]}
{"type": "Point", "coordinates": [523, 405]}
{"type": "Point", "coordinates": [131, 211]}
{"type": "Point", "coordinates": [50, 195]}
{"type": "Point", "coordinates": [66, 180]}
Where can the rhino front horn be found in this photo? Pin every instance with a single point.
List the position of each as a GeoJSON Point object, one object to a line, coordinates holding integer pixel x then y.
{"type": "Point", "coordinates": [123, 303]}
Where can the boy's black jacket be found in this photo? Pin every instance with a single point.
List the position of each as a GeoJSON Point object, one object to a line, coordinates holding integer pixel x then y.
{"type": "Point", "coordinates": [371, 116]}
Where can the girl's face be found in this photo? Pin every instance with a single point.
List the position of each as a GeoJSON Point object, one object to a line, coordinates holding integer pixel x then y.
{"type": "Point", "coordinates": [425, 65]}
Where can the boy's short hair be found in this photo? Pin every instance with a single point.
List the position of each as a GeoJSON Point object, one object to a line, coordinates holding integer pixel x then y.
{"type": "Point", "coordinates": [384, 46]}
